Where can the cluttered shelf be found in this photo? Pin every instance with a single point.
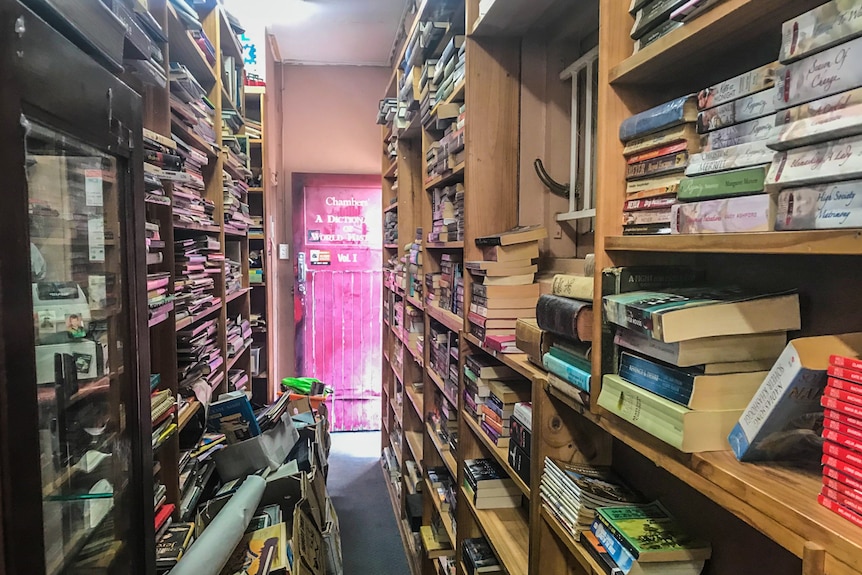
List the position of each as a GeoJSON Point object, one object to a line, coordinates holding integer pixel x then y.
{"type": "Point", "coordinates": [517, 361]}
{"type": "Point", "coordinates": [186, 51]}
{"type": "Point", "coordinates": [438, 381]}
{"type": "Point", "coordinates": [816, 242]}
{"type": "Point", "coordinates": [445, 516]}
{"type": "Point", "coordinates": [501, 454]}
{"type": "Point", "coordinates": [185, 415]}
{"type": "Point", "coordinates": [456, 173]}
{"type": "Point", "coordinates": [443, 450]}
{"type": "Point", "coordinates": [508, 532]}
{"type": "Point", "coordinates": [447, 318]}
{"type": "Point", "coordinates": [700, 41]}
{"type": "Point", "coordinates": [415, 302]}
{"type": "Point", "coordinates": [185, 322]}
{"type": "Point", "coordinates": [457, 95]}
{"type": "Point", "coordinates": [779, 501]}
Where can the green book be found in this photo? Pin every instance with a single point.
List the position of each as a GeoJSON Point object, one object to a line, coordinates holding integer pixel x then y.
{"type": "Point", "coordinates": [651, 534]}
{"type": "Point", "coordinates": [741, 182]}
{"type": "Point", "coordinates": [688, 430]}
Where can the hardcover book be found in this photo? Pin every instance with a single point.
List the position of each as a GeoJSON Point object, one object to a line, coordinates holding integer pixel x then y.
{"type": "Point", "coordinates": [517, 235]}
{"type": "Point", "coordinates": [820, 75]}
{"type": "Point", "coordinates": [659, 31]}
{"type": "Point", "coordinates": [780, 421]}
{"type": "Point", "coordinates": [667, 115]}
{"type": "Point", "coordinates": [574, 287]}
{"type": "Point", "coordinates": [820, 163]}
{"type": "Point", "coordinates": [760, 129]}
{"type": "Point", "coordinates": [821, 28]}
{"type": "Point", "coordinates": [748, 83]}
{"type": "Point", "coordinates": [566, 317]}
{"type": "Point", "coordinates": [570, 373]}
{"type": "Point", "coordinates": [738, 111]}
{"type": "Point", "coordinates": [744, 214]}
{"type": "Point", "coordinates": [827, 206]}
{"type": "Point", "coordinates": [234, 417]}
{"type": "Point", "coordinates": [741, 182]}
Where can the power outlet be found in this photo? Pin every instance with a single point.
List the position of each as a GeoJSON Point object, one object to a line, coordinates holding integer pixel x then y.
{"type": "Point", "coordinates": [558, 232]}
{"type": "Point", "coordinates": [284, 251]}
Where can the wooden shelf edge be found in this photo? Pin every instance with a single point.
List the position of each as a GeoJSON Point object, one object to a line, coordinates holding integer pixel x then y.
{"type": "Point", "coordinates": [445, 454]}
{"type": "Point", "coordinates": [410, 438]}
{"type": "Point", "coordinates": [512, 554]}
{"type": "Point", "coordinates": [517, 361]}
{"type": "Point", "coordinates": [390, 207]}
{"type": "Point", "coordinates": [441, 385]}
{"type": "Point", "coordinates": [501, 454]}
{"type": "Point", "coordinates": [447, 318]}
{"type": "Point", "coordinates": [456, 173]}
{"type": "Point", "coordinates": [444, 245]}
{"type": "Point", "coordinates": [416, 399]}
{"type": "Point", "coordinates": [186, 416]}
{"type": "Point", "coordinates": [814, 242]}
{"type": "Point", "coordinates": [575, 548]}
{"type": "Point", "coordinates": [445, 516]}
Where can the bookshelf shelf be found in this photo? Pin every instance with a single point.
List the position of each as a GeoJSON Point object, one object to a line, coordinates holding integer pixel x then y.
{"type": "Point", "coordinates": [414, 301]}
{"type": "Point", "coordinates": [184, 323]}
{"type": "Point", "coordinates": [256, 236]}
{"type": "Point", "coordinates": [184, 50]}
{"type": "Point", "coordinates": [390, 173]}
{"type": "Point", "coordinates": [445, 516]}
{"type": "Point", "coordinates": [192, 139]}
{"type": "Point", "coordinates": [447, 318]}
{"type": "Point", "coordinates": [196, 227]}
{"type": "Point", "coordinates": [456, 174]}
{"type": "Point", "coordinates": [158, 321]}
{"type": "Point", "coordinates": [438, 381]}
{"type": "Point", "coordinates": [390, 207]}
{"type": "Point", "coordinates": [390, 246]}
{"type": "Point", "coordinates": [457, 95]}
{"type": "Point", "coordinates": [445, 453]}
{"type": "Point", "coordinates": [517, 361]}
{"type": "Point", "coordinates": [508, 18]}
{"type": "Point", "coordinates": [501, 454]}
{"type": "Point", "coordinates": [445, 245]}
{"type": "Point", "coordinates": [233, 360]}
{"type": "Point", "coordinates": [237, 294]}
{"type": "Point", "coordinates": [416, 399]}
{"type": "Point", "coordinates": [397, 374]}
{"type": "Point", "coordinates": [575, 548]}
{"type": "Point", "coordinates": [699, 43]}
{"type": "Point", "coordinates": [414, 442]}
{"type": "Point", "coordinates": [821, 242]}
{"type": "Point", "coordinates": [230, 43]}
{"type": "Point", "coordinates": [507, 530]}
{"type": "Point", "coordinates": [256, 190]}
{"type": "Point", "coordinates": [235, 234]}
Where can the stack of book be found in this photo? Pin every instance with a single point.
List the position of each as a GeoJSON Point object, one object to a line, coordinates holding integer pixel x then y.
{"type": "Point", "coordinates": [567, 313]}
{"type": "Point", "coordinates": [520, 434]}
{"type": "Point", "coordinates": [444, 155]}
{"type": "Point", "coordinates": [478, 371]}
{"type": "Point", "coordinates": [154, 242]}
{"type": "Point", "coordinates": [163, 406]}
{"type": "Point", "coordinates": [445, 214]}
{"type": "Point", "coordinates": [233, 277]}
{"type": "Point", "coordinates": [253, 129]}
{"type": "Point", "coordinates": [655, 19]}
{"type": "Point", "coordinates": [491, 391]}
{"type": "Point", "coordinates": [820, 122]}
{"type": "Point", "coordinates": [693, 358]}
{"type": "Point", "coordinates": [451, 283]}
{"type": "Point", "coordinates": [199, 355]}
{"type": "Point", "coordinates": [172, 545]}
{"type": "Point", "coordinates": [724, 188]}
{"type": "Point", "coordinates": [143, 57]}
{"type": "Point", "coordinates": [488, 486]}
{"type": "Point", "coordinates": [270, 415]}
{"type": "Point", "coordinates": [572, 492]}
{"type": "Point", "coordinates": [390, 227]}
{"type": "Point", "coordinates": [414, 266]}
{"type": "Point", "coordinates": [236, 215]}
{"type": "Point", "coordinates": [432, 287]}
{"type": "Point", "coordinates": [160, 302]}
{"type": "Point", "coordinates": [658, 145]}
{"type": "Point", "coordinates": [195, 264]}
{"type": "Point", "coordinates": [645, 539]}
{"type": "Point", "coordinates": [443, 342]}
{"type": "Point", "coordinates": [503, 288]}
{"type": "Point", "coordinates": [408, 101]}
{"type": "Point", "coordinates": [237, 379]}
{"type": "Point", "coordinates": [424, 43]}
{"type": "Point", "coordinates": [196, 470]}
{"type": "Point", "coordinates": [842, 434]}
{"type": "Point", "coordinates": [189, 106]}
{"type": "Point", "coordinates": [443, 419]}
{"type": "Point", "coordinates": [238, 336]}
{"type": "Point", "coordinates": [449, 70]}
{"type": "Point", "coordinates": [427, 90]}
{"type": "Point", "coordinates": [387, 110]}
{"type": "Point", "coordinates": [479, 558]}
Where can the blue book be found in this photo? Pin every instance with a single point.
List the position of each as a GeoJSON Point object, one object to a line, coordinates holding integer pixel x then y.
{"type": "Point", "coordinates": [234, 417]}
{"type": "Point", "coordinates": [621, 556]}
{"type": "Point", "coordinates": [667, 115]}
{"type": "Point", "coordinates": [574, 375]}
{"type": "Point", "coordinates": [670, 383]}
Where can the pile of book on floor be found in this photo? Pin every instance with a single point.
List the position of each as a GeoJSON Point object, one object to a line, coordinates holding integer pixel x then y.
{"type": "Point", "coordinates": [655, 19]}
{"type": "Point", "coordinates": [520, 434]}
{"type": "Point", "coordinates": [488, 486]}
{"type": "Point", "coordinates": [199, 355]}
{"type": "Point", "coordinates": [451, 283]}
{"type": "Point", "coordinates": [503, 285]}
{"type": "Point", "coordinates": [842, 434]}
{"type": "Point", "coordinates": [491, 391]}
{"type": "Point", "coordinates": [479, 558]}
{"type": "Point", "coordinates": [817, 167]}
{"type": "Point", "coordinates": [160, 302]}
{"type": "Point", "coordinates": [567, 314]}
{"type": "Point", "coordinates": [572, 492]}
{"type": "Point", "coordinates": [163, 406]}
{"type": "Point", "coordinates": [236, 215]}
{"type": "Point", "coordinates": [658, 145]}
{"type": "Point", "coordinates": [644, 539]}
{"type": "Point", "coordinates": [447, 214]}
{"type": "Point", "coordinates": [693, 358]}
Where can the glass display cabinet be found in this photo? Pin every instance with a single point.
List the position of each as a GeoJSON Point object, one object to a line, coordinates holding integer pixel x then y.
{"type": "Point", "coordinates": [73, 442]}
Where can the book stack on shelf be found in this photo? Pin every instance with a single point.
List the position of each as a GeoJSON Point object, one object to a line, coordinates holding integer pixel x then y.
{"type": "Point", "coordinates": [233, 276]}
{"type": "Point", "coordinates": [199, 356]}
{"type": "Point", "coordinates": [491, 391]}
{"type": "Point", "coordinates": [142, 56]}
{"type": "Point", "coordinates": [450, 67]}
{"type": "Point", "coordinates": [820, 123]}
{"type": "Point", "coordinates": [658, 145]}
{"type": "Point", "coordinates": [414, 267]}
{"type": "Point", "coordinates": [451, 283]}
{"type": "Point", "coordinates": [488, 486]}
{"type": "Point", "coordinates": [408, 101]}
{"type": "Point", "coordinates": [238, 336]}
{"type": "Point", "coordinates": [447, 153]}
{"type": "Point", "coordinates": [442, 363]}
{"type": "Point", "coordinates": [387, 110]}
{"type": "Point", "coordinates": [478, 557]}
{"type": "Point", "coordinates": [693, 359]}
{"type": "Point", "coordinates": [236, 215]}
{"type": "Point", "coordinates": [390, 228]}
{"type": "Point", "coordinates": [443, 419]}
{"type": "Point", "coordinates": [427, 90]}
{"type": "Point", "coordinates": [567, 314]}
{"type": "Point", "coordinates": [503, 278]}
{"type": "Point", "coordinates": [520, 436]}
{"type": "Point", "coordinates": [160, 302]}
{"type": "Point", "coordinates": [154, 244]}
{"type": "Point", "coordinates": [656, 19]}
{"type": "Point", "coordinates": [447, 208]}
{"type": "Point", "coordinates": [164, 408]}
{"type": "Point", "coordinates": [196, 263]}
{"type": "Point", "coordinates": [572, 492]}
{"type": "Point", "coordinates": [645, 539]}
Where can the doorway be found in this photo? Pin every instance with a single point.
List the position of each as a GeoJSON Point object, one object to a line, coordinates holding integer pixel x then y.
{"type": "Point", "coordinates": [338, 300]}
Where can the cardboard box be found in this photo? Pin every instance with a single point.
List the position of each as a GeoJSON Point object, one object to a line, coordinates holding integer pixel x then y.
{"type": "Point", "coordinates": [268, 449]}
{"type": "Point", "coordinates": [307, 543]}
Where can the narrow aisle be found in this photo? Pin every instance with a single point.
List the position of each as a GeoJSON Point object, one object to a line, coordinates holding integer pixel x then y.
{"type": "Point", "coordinates": [370, 541]}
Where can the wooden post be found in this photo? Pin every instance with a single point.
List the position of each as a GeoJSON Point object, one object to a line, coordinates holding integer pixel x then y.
{"type": "Point", "coordinates": [813, 559]}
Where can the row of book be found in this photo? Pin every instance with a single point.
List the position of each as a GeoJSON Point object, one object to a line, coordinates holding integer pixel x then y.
{"type": "Point", "coordinates": [491, 392]}
{"type": "Point", "coordinates": [447, 153]}
{"type": "Point", "coordinates": [197, 264]}
{"type": "Point", "coordinates": [770, 149]}
{"type": "Point", "coordinates": [199, 357]}
{"type": "Point", "coordinates": [160, 302]}
{"type": "Point", "coordinates": [443, 356]}
{"type": "Point", "coordinates": [447, 213]}
{"type": "Point", "coordinates": [654, 19]}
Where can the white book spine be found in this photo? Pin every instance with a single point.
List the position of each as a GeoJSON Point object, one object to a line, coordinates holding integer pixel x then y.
{"type": "Point", "coordinates": [742, 85]}
{"type": "Point", "coordinates": [835, 70]}
{"type": "Point", "coordinates": [821, 163]}
{"type": "Point", "coordinates": [738, 111]}
{"type": "Point", "coordinates": [823, 207]}
{"type": "Point", "coordinates": [832, 126]}
{"type": "Point", "coordinates": [761, 129]}
{"type": "Point", "coordinates": [726, 215]}
{"type": "Point", "coordinates": [741, 156]}
{"type": "Point", "coordinates": [825, 105]}
{"type": "Point", "coordinates": [825, 26]}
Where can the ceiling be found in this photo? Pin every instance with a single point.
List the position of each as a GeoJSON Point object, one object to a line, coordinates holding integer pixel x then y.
{"type": "Point", "coordinates": [325, 32]}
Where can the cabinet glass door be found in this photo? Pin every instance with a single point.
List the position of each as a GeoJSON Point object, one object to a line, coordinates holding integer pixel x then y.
{"type": "Point", "coordinates": [81, 327]}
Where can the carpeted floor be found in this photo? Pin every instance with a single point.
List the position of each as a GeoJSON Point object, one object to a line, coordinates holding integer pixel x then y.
{"type": "Point", "coordinates": [370, 541]}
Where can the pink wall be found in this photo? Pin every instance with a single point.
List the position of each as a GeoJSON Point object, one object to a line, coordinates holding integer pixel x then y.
{"type": "Point", "coordinates": [328, 127]}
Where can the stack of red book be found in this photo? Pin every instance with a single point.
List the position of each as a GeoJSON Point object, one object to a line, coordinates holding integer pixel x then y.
{"type": "Point", "coordinates": [842, 432]}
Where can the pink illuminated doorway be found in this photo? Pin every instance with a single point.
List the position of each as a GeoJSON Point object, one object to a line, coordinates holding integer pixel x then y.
{"type": "Point", "coordinates": [339, 239]}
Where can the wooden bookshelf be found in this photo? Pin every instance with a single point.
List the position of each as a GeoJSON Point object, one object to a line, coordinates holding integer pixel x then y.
{"type": "Point", "coordinates": [820, 242]}
{"type": "Point", "coordinates": [507, 532]}
{"type": "Point", "coordinates": [498, 453]}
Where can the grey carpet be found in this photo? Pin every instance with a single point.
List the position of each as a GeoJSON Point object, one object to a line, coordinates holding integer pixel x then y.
{"type": "Point", "coordinates": [370, 541]}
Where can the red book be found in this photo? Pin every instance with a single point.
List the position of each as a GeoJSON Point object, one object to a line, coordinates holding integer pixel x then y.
{"type": "Point", "coordinates": [839, 509]}
{"type": "Point", "coordinates": [843, 418]}
{"type": "Point", "coordinates": [163, 514]}
{"type": "Point", "coordinates": [663, 151]}
{"type": "Point", "coordinates": [842, 440]}
{"type": "Point", "coordinates": [843, 454]}
{"type": "Point", "coordinates": [843, 361]}
{"type": "Point", "coordinates": [649, 204]}
{"type": "Point", "coordinates": [844, 373]}
{"type": "Point", "coordinates": [839, 426]}
{"type": "Point", "coordinates": [843, 467]}
{"type": "Point", "coordinates": [843, 500]}
{"type": "Point", "coordinates": [830, 473]}
{"type": "Point", "coordinates": [841, 394]}
{"type": "Point", "coordinates": [502, 343]}
{"type": "Point", "coordinates": [843, 489]}
{"type": "Point", "coordinates": [841, 407]}
{"type": "Point", "coordinates": [845, 385]}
